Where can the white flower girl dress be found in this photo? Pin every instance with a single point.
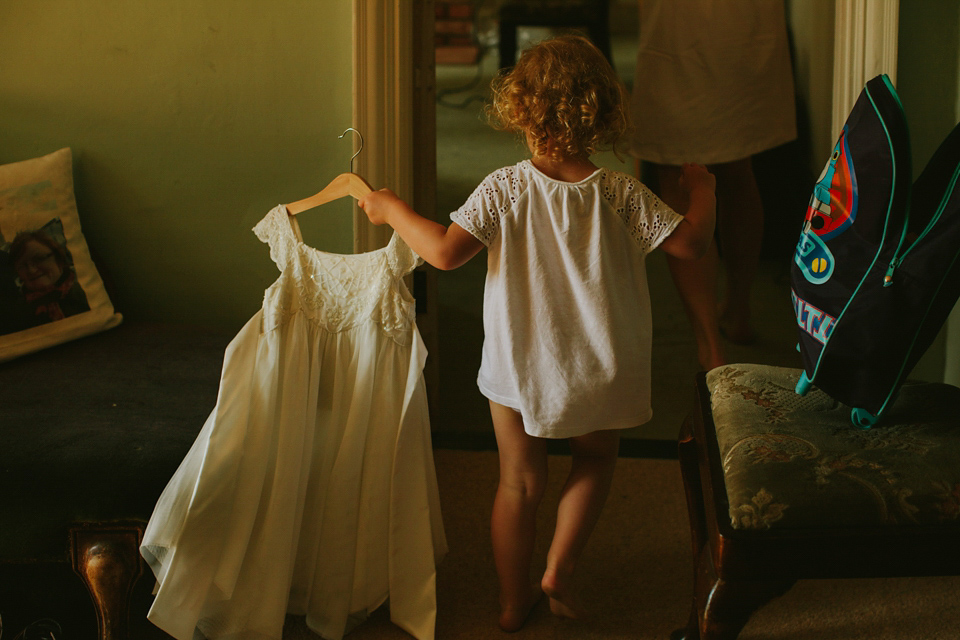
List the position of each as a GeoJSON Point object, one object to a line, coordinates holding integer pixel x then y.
{"type": "Point", "coordinates": [311, 488]}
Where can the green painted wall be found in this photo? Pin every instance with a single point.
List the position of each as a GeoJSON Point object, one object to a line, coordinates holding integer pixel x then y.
{"type": "Point", "coordinates": [189, 120]}
{"type": "Point", "coordinates": [928, 59]}
{"type": "Point", "coordinates": [812, 27]}
{"type": "Point", "coordinates": [927, 67]}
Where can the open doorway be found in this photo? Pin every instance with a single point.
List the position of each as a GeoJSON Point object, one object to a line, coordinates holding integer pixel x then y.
{"type": "Point", "coordinates": [468, 149]}
{"type": "Point", "coordinates": [461, 164]}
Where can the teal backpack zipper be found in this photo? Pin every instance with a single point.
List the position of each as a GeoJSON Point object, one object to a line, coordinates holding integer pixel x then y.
{"type": "Point", "coordinates": [898, 257]}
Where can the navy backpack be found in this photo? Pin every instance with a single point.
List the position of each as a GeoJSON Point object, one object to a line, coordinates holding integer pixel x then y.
{"type": "Point", "coordinates": [875, 273]}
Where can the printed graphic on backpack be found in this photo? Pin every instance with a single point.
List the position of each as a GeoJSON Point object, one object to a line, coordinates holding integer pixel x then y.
{"type": "Point", "coordinates": [876, 269]}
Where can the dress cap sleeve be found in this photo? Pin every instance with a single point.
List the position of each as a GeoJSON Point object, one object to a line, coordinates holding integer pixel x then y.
{"type": "Point", "coordinates": [275, 231]}
{"type": "Point", "coordinates": [401, 258]}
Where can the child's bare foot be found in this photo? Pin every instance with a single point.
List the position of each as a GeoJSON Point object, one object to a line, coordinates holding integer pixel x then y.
{"type": "Point", "coordinates": [564, 601]}
{"type": "Point", "coordinates": [512, 617]}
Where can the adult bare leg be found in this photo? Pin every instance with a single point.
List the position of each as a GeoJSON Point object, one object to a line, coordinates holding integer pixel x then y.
{"type": "Point", "coordinates": [695, 280]}
{"type": "Point", "coordinates": [740, 225]}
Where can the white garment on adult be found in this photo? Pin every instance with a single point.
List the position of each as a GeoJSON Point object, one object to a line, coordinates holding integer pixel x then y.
{"type": "Point", "coordinates": [566, 308]}
{"type": "Point", "coordinates": [311, 488]}
{"type": "Point", "coordinates": [713, 81]}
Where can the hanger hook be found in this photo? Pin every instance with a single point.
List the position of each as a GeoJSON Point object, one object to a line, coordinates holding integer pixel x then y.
{"type": "Point", "coordinates": [358, 150]}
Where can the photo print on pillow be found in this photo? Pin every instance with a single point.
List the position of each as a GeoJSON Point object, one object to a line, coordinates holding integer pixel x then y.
{"type": "Point", "coordinates": [45, 280]}
{"type": "Point", "coordinates": [50, 290]}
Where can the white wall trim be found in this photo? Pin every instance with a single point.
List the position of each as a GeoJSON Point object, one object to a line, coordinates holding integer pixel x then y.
{"type": "Point", "coordinates": [865, 45]}
{"type": "Point", "coordinates": [382, 105]}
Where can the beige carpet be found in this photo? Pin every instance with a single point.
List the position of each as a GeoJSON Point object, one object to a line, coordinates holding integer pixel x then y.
{"type": "Point", "coordinates": [637, 572]}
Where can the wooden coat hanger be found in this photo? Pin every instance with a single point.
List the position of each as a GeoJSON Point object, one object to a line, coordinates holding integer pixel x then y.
{"type": "Point", "coordinates": [345, 184]}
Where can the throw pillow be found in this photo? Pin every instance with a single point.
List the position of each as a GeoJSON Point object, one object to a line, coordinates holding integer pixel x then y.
{"type": "Point", "coordinates": [50, 290]}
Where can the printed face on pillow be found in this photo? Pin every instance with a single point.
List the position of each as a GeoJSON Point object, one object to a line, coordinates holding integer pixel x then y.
{"type": "Point", "coordinates": [38, 265]}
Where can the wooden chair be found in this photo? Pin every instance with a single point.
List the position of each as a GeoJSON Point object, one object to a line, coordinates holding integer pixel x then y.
{"type": "Point", "coordinates": [782, 487]}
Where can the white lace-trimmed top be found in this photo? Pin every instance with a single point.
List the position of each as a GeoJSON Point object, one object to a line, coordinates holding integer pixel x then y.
{"type": "Point", "coordinates": [566, 311]}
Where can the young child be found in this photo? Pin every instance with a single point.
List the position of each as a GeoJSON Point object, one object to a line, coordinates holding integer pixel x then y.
{"type": "Point", "coordinates": [566, 310]}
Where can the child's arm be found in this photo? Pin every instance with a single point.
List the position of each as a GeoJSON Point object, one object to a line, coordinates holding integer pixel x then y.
{"type": "Point", "coordinates": [691, 238]}
{"type": "Point", "coordinates": [443, 247]}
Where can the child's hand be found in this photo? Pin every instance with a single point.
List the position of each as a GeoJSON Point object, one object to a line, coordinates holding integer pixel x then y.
{"type": "Point", "coordinates": [379, 204]}
{"type": "Point", "coordinates": [696, 176]}
{"type": "Point", "coordinates": [691, 238]}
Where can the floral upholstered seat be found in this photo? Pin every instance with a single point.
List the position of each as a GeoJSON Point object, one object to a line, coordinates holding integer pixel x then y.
{"type": "Point", "coordinates": [794, 462]}
{"type": "Point", "coordinates": [782, 487]}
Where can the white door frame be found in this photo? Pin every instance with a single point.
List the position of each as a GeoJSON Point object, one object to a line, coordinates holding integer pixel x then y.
{"type": "Point", "coordinates": [865, 45]}
{"type": "Point", "coordinates": [383, 73]}
{"type": "Point", "coordinates": [393, 97]}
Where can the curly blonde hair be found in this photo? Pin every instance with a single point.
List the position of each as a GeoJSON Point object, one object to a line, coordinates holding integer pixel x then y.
{"type": "Point", "coordinates": [564, 91]}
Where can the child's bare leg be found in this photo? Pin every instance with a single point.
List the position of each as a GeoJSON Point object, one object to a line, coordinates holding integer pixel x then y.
{"type": "Point", "coordinates": [523, 477]}
{"type": "Point", "coordinates": [581, 501]}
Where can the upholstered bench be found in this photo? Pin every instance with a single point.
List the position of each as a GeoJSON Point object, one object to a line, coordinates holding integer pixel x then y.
{"type": "Point", "coordinates": [782, 487]}
{"type": "Point", "coordinates": [90, 433]}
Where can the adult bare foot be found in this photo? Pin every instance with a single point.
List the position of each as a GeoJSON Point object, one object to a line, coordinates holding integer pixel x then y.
{"type": "Point", "coordinates": [737, 333]}
{"type": "Point", "coordinates": [513, 616]}
{"type": "Point", "coordinates": [710, 359]}
{"type": "Point", "coordinates": [735, 326]}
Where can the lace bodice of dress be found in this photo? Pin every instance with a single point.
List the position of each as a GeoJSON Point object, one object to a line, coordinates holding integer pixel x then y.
{"type": "Point", "coordinates": [336, 291]}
